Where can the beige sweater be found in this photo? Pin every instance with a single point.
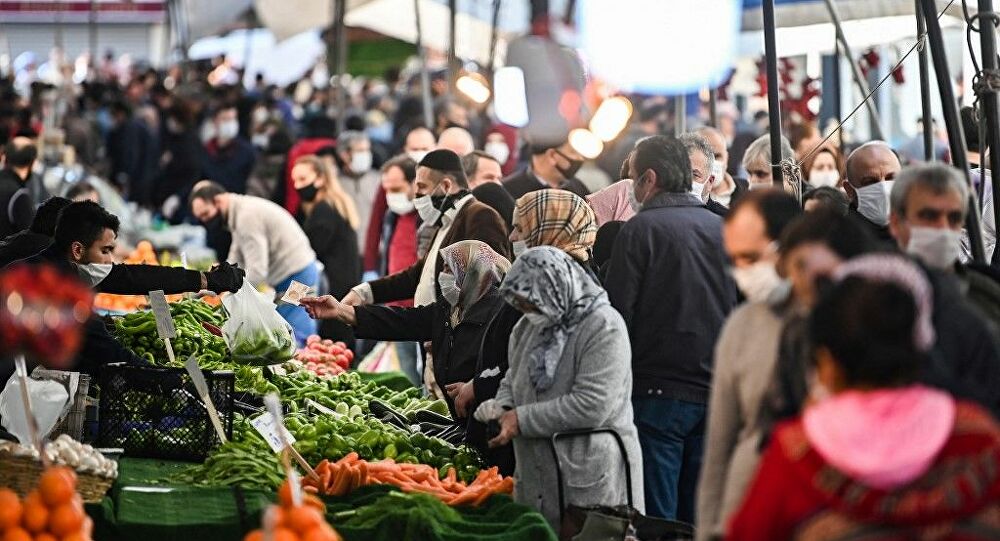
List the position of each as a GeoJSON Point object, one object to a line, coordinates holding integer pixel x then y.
{"type": "Point", "coordinates": [745, 357]}
{"type": "Point", "coordinates": [267, 241]}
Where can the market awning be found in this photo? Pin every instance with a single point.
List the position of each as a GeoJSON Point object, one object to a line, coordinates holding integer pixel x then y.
{"type": "Point", "coordinates": [809, 12]}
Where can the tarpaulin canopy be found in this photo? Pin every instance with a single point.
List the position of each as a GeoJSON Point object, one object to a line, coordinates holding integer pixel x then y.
{"type": "Point", "coordinates": [806, 12]}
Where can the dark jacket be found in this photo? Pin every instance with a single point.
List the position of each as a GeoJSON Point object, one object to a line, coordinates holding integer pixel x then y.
{"type": "Point", "coordinates": [525, 181]}
{"type": "Point", "coordinates": [880, 232]}
{"type": "Point", "coordinates": [132, 151]}
{"type": "Point", "coordinates": [495, 196]}
{"type": "Point", "coordinates": [336, 245]}
{"type": "Point", "coordinates": [181, 170]}
{"type": "Point", "coordinates": [667, 277]}
{"type": "Point", "coordinates": [230, 165]}
{"type": "Point", "coordinates": [16, 207]}
{"type": "Point", "coordinates": [475, 221]}
{"type": "Point", "coordinates": [21, 245]}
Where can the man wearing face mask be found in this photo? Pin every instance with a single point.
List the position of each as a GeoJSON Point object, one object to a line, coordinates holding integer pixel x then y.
{"type": "Point", "coordinates": [443, 201]}
{"type": "Point", "coordinates": [929, 204]}
{"type": "Point", "coordinates": [227, 158]}
{"type": "Point", "coordinates": [667, 278]}
{"type": "Point", "coordinates": [267, 242]}
{"type": "Point", "coordinates": [397, 249]}
{"type": "Point", "coordinates": [359, 180]}
{"type": "Point", "coordinates": [418, 142]}
{"type": "Point", "coordinates": [703, 171]}
{"type": "Point", "coordinates": [16, 207]}
{"type": "Point", "coordinates": [726, 189]}
{"type": "Point", "coordinates": [871, 172]}
{"type": "Point", "coordinates": [552, 166]}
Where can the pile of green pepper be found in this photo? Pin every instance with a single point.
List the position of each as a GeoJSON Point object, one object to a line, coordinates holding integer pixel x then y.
{"type": "Point", "coordinates": [349, 390]}
{"type": "Point", "coordinates": [137, 332]}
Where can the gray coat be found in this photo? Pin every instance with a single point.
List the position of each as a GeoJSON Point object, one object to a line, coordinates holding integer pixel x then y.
{"type": "Point", "coordinates": [592, 388]}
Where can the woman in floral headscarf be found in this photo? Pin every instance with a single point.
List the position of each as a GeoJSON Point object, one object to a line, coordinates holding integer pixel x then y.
{"type": "Point", "coordinates": [456, 325]}
{"type": "Point", "coordinates": [569, 369]}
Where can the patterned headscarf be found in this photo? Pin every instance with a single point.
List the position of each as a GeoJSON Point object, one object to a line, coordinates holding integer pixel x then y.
{"type": "Point", "coordinates": [476, 268]}
{"type": "Point", "coordinates": [896, 270]}
{"type": "Point", "coordinates": [559, 288]}
{"type": "Point", "coordinates": [556, 218]}
{"type": "Point", "coordinates": [616, 203]}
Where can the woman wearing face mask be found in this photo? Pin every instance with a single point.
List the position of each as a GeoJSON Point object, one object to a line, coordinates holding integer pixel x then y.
{"type": "Point", "coordinates": [501, 143]}
{"type": "Point", "coordinates": [556, 218]}
{"type": "Point", "coordinates": [825, 168]}
{"type": "Point", "coordinates": [329, 218]}
{"type": "Point", "coordinates": [569, 369]}
{"type": "Point", "coordinates": [876, 454]}
{"type": "Point", "coordinates": [469, 280]}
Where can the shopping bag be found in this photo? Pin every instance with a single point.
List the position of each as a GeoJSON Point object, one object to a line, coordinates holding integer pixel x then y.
{"type": "Point", "coordinates": [255, 333]}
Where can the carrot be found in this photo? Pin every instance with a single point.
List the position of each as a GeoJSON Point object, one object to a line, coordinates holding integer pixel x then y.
{"type": "Point", "coordinates": [506, 486]}
{"type": "Point", "coordinates": [310, 489]}
{"type": "Point", "coordinates": [348, 458]}
{"type": "Point", "coordinates": [466, 497]}
{"type": "Point", "coordinates": [452, 475]}
{"type": "Point", "coordinates": [383, 466]}
{"type": "Point", "coordinates": [409, 487]}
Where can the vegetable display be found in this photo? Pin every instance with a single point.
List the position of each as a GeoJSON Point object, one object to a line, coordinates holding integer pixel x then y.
{"type": "Point", "coordinates": [52, 511]}
{"type": "Point", "coordinates": [325, 358]}
{"type": "Point", "coordinates": [350, 473]}
{"type": "Point", "coordinates": [292, 522]}
{"type": "Point", "coordinates": [263, 347]}
{"type": "Point", "coordinates": [69, 452]}
{"type": "Point", "coordinates": [137, 332]}
{"type": "Point", "coordinates": [347, 390]}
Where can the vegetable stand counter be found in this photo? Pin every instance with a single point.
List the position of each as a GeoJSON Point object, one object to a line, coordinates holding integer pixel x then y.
{"type": "Point", "coordinates": [139, 508]}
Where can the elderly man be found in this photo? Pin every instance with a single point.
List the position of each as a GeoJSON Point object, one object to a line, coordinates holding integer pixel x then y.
{"type": "Point", "coordinates": [357, 177]}
{"type": "Point", "coordinates": [667, 278]}
{"type": "Point", "coordinates": [457, 140]}
{"type": "Point", "coordinates": [929, 204]}
{"type": "Point", "coordinates": [704, 171]}
{"type": "Point", "coordinates": [418, 142]}
{"type": "Point", "coordinates": [726, 189]}
{"type": "Point", "coordinates": [757, 162]}
{"type": "Point", "coordinates": [552, 166]}
{"type": "Point", "coordinates": [871, 170]}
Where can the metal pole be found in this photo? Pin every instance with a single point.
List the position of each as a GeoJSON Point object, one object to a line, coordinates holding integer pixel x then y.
{"type": "Point", "coordinates": [773, 105]}
{"type": "Point", "coordinates": [713, 107]}
{"type": "Point", "coordinates": [494, 33]}
{"type": "Point", "coordinates": [925, 89]}
{"type": "Point", "coordinates": [991, 103]}
{"type": "Point", "coordinates": [859, 79]}
{"type": "Point", "coordinates": [452, 54]}
{"type": "Point", "coordinates": [680, 114]}
{"type": "Point", "coordinates": [838, 105]}
{"type": "Point", "coordinates": [341, 91]}
{"type": "Point", "coordinates": [92, 31]}
{"type": "Point", "coordinates": [956, 139]}
{"type": "Point", "coordinates": [425, 78]}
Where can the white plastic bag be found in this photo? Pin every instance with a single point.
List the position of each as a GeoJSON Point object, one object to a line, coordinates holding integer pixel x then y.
{"type": "Point", "coordinates": [48, 398]}
{"type": "Point", "coordinates": [255, 332]}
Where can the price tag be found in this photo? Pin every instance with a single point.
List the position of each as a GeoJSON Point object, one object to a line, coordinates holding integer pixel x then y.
{"type": "Point", "coordinates": [295, 292]}
{"type": "Point", "coordinates": [161, 311]}
{"type": "Point", "coordinates": [201, 386]}
{"type": "Point", "coordinates": [268, 429]}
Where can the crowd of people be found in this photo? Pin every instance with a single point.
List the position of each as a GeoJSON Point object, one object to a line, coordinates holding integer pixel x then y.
{"type": "Point", "coordinates": [813, 358]}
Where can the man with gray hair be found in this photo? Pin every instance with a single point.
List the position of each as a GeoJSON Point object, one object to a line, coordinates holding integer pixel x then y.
{"type": "Point", "coordinates": [929, 206]}
{"type": "Point", "coordinates": [757, 161]}
{"type": "Point", "coordinates": [359, 180]}
{"type": "Point", "coordinates": [703, 170]}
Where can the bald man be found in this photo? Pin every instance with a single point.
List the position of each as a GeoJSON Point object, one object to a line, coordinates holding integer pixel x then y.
{"type": "Point", "coordinates": [726, 190]}
{"type": "Point", "coordinates": [16, 205]}
{"type": "Point", "coordinates": [457, 140]}
{"type": "Point", "coordinates": [419, 141]}
{"type": "Point", "coordinates": [871, 170]}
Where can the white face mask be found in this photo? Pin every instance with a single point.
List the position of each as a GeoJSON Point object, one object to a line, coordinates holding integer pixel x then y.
{"type": "Point", "coordinates": [697, 188]}
{"type": "Point", "coordinates": [425, 208]}
{"type": "Point", "coordinates": [718, 171]}
{"type": "Point", "coordinates": [757, 281]}
{"type": "Point", "coordinates": [937, 248]}
{"type": "Point", "coordinates": [873, 202]}
{"type": "Point", "coordinates": [498, 150]}
{"type": "Point", "coordinates": [260, 140]}
{"type": "Point", "coordinates": [519, 247]}
{"type": "Point", "coordinates": [828, 178]}
{"type": "Point", "coordinates": [399, 203]}
{"type": "Point", "coordinates": [449, 290]}
{"type": "Point", "coordinates": [723, 199]}
{"type": "Point", "coordinates": [361, 162]}
{"type": "Point", "coordinates": [537, 319]}
{"type": "Point", "coordinates": [228, 130]}
{"type": "Point", "coordinates": [416, 155]}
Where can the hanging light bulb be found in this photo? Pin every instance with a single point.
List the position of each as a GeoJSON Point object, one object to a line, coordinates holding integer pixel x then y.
{"type": "Point", "coordinates": [474, 86]}
{"type": "Point", "coordinates": [510, 103]}
{"type": "Point", "coordinates": [611, 118]}
{"type": "Point", "coordinates": [586, 143]}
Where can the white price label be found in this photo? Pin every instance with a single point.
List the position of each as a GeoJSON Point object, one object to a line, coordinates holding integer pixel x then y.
{"type": "Point", "coordinates": [295, 292]}
{"type": "Point", "coordinates": [265, 426]}
{"type": "Point", "coordinates": [161, 311]}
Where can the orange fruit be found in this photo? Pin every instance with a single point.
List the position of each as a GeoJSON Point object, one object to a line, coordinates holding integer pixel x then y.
{"type": "Point", "coordinates": [45, 536]}
{"type": "Point", "coordinates": [302, 519]}
{"type": "Point", "coordinates": [66, 519]}
{"type": "Point", "coordinates": [16, 534]}
{"type": "Point", "coordinates": [36, 515]}
{"type": "Point", "coordinates": [10, 509]}
{"type": "Point", "coordinates": [256, 535]}
{"type": "Point", "coordinates": [57, 486]}
{"type": "Point", "coordinates": [285, 494]}
{"type": "Point", "coordinates": [322, 532]}
{"type": "Point", "coordinates": [77, 536]}
{"type": "Point", "coordinates": [284, 534]}
{"type": "Point", "coordinates": [311, 500]}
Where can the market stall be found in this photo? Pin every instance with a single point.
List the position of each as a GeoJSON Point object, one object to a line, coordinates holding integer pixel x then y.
{"type": "Point", "coordinates": [186, 449]}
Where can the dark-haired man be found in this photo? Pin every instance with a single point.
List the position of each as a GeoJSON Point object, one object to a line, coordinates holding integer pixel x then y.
{"type": "Point", "coordinates": [39, 235]}
{"type": "Point", "coordinates": [552, 166]}
{"type": "Point", "coordinates": [16, 208]}
{"type": "Point", "coordinates": [667, 278]}
{"type": "Point", "coordinates": [227, 158]}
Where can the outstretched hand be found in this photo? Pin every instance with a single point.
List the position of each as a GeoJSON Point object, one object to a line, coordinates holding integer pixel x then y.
{"type": "Point", "coordinates": [328, 307]}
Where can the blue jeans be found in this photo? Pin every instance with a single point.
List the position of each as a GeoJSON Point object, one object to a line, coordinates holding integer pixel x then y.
{"type": "Point", "coordinates": [296, 316]}
{"type": "Point", "coordinates": [672, 436]}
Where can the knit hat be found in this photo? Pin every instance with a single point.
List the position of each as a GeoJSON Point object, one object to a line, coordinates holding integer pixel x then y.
{"type": "Point", "coordinates": [442, 160]}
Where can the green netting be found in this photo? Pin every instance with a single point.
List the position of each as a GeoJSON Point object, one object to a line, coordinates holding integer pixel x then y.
{"type": "Point", "coordinates": [212, 514]}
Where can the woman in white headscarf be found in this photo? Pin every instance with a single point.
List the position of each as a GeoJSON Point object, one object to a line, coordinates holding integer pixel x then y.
{"type": "Point", "coordinates": [569, 370]}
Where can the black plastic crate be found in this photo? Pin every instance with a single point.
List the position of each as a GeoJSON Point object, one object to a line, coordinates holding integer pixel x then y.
{"type": "Point", "coordinates": [156, 412]}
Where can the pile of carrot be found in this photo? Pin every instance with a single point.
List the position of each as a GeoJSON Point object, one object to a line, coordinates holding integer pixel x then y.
{"type": "Point", "coordinates": [349, 473]}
